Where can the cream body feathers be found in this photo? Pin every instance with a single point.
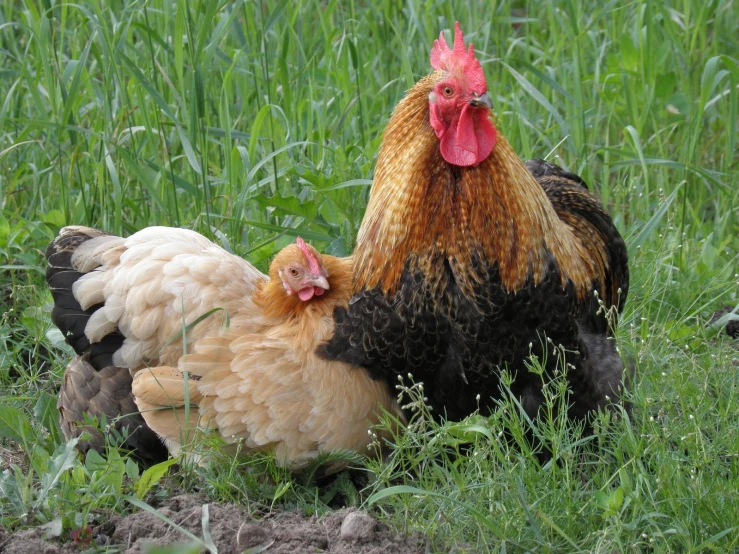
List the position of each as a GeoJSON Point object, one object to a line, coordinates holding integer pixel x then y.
{"type": "Point", "coordinates": [154, 283]}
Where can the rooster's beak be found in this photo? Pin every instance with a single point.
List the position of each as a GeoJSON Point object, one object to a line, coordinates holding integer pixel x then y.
{"type": "Point", "coordinates": [482, 101]}
{"type": "Point", "coordinates": [319, 281]}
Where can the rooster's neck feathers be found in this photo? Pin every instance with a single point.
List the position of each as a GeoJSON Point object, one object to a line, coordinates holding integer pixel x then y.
{"type": "Point", "coordinates": [420, 203]}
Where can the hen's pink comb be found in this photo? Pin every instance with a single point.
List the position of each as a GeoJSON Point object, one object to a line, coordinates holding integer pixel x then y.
{"type": "Point", "coordinates": [445, 59]}
{"type": "Point", "coordinates": [313, 264]}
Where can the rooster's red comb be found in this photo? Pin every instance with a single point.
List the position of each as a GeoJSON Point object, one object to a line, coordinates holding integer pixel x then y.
{"type": "Point", "coordinates": [313, 264]}
{"type": "Point", "coordinates": [447, 59]}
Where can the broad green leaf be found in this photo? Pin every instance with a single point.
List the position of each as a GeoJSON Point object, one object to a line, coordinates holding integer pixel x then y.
{"type": "Point", "coordinates": [151, 477]}
{"type": "Point", "coordinates": [47, 414]}
{"type": "Point", "coordinates": [14, 425]}
{"type": "Point", "coordinates": [52, 529]}
{"type": "Point", "coordinates": [630, 58]}
{"type": "Point", "coordinates": [64, 458]}
{"type": "Point", "coordinates": [282, 205]}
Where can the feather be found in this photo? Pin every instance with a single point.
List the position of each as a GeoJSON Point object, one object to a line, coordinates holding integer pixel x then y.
{"type": "Point", "coordinates": [267, 389]}
{"type": "Point", "coordinates": [164, 386]}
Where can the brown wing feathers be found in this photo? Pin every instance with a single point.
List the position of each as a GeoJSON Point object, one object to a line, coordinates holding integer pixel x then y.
{"type": "Point", "coordinates": [590, 223]}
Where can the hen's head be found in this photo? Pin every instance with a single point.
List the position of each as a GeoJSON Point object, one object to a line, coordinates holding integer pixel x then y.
{"type": "Point", "coordinates": [459, 103]}
{"type": "Point", "coordinates": [301, 270]}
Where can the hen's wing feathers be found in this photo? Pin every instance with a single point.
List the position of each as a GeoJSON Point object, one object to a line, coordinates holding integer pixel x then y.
{"type": "Point", "coordinates": [161, 397]}
{"type": "Point", "coordinates": [131, 295]}
{"type": "Point", "coordinates": [118, 301]}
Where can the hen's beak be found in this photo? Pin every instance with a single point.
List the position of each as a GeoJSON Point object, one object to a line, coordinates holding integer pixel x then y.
{"type": "Point", "coordinates": [481, 101]}
{"type": "Point", "coordinates": [319, 281]}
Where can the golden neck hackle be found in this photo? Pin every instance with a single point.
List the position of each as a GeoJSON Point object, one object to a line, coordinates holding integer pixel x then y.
{"type": "Point", "coordinates": [420, 203]}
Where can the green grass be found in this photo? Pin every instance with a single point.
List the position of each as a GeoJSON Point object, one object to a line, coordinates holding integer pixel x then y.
{"type": "Point", "coordinates": [251, 122]}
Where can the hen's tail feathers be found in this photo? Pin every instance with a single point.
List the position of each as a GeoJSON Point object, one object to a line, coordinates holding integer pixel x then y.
{"type": "Point", "coordinates": [74, 253]}
{"type": "Point", "coordinates": [93, 386]}
{"type": "Point", "coordinates": [105, 393]}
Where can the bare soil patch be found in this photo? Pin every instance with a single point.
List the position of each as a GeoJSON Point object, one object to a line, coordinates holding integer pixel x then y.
{"type": "Point", "coordinates": [233, 530]}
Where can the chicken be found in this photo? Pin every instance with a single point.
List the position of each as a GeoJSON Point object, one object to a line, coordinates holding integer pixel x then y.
{"type": "Point", "coordinates": [465, 265]}
{"type": "Point", "coordinates": [266, 389]}
{"type": "Point", "coordinates": [123, 304]}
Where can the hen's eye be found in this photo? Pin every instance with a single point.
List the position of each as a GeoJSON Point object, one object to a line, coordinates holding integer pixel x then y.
{"type": "Point", "coordinates": [294, 272]}
{"type": "Point", "coordinates": [447, 91]}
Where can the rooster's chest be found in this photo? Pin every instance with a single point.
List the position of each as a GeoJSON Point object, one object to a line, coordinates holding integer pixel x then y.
{"type": "Point", "coordinates": [456, 334]}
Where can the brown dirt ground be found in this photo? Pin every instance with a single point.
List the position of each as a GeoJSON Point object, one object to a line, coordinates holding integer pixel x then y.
{"type": "Point", "coordinates": [233, 530]}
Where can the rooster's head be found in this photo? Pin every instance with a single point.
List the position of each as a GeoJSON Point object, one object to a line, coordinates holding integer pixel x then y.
{"type": "Point", "coordinates": [459, 103]}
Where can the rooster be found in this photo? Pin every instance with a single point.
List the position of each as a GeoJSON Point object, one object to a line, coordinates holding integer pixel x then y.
{"type": "Point", "coordinates": [466, 265]}
{"type": "Point", "coordinates": [267, 389]}
{"type": "Point", "coordinates": [123, 304]}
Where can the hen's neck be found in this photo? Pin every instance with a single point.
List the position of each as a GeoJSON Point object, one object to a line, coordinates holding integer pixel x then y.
{"type": "Point", "coordinates": [421, 205]}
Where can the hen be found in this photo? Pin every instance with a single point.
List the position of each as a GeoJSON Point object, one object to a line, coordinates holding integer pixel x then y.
{"type": "Point", "coordinates": [465, 265]}
{"type": "Point", "coordinates": [267, 389]}
{"type": "Point", "coordinates": [122, 304]}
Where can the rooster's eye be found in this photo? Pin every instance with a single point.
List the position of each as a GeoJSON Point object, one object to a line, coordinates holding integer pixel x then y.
{"type": "Point", "coordinates": [294, 272]}
{"type": "Point", "coordinates": [448, 91]}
